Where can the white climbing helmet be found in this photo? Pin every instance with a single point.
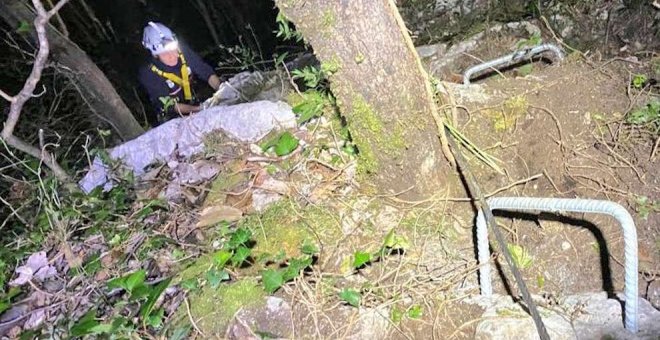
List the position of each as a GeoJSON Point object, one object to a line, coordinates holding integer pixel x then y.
{"type": "Point", "coordinates": [157, 38]}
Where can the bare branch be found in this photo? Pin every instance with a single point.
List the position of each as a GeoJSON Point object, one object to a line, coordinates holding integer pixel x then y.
{"type": "Point", "coordinates": [27, 92]}
{"type": "Point", "coordinates": [6, 96]}
{"type": "Point", "coordinates": [60, 22]}
{"type": "Point", "coordinates": [55, 8]}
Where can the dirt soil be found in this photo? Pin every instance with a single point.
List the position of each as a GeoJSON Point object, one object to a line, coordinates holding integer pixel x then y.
{"type": "Point", "coordinates": [564, 127]}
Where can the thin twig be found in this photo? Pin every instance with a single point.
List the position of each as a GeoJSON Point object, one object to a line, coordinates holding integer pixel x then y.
{"type": "Point", "coordinates": [190, 317]}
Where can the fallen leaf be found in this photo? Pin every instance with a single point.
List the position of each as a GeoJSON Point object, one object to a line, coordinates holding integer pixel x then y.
{"type": "Point", "coordinates": [213, 215]}
{"type": "Point", "coordinates": [36, 267]}
{"type": "Point", "coordinates": [36, 319]}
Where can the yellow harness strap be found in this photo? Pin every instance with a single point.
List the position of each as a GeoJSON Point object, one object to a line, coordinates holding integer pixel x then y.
{"type": "Point", "coordinates": [183, 81]}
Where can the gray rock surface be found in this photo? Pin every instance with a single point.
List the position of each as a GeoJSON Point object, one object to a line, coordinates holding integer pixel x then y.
{"type": "Point", "coordinates": [373, 324]}
{"type": "Point", "coordinates": [583, 316]}
{"type": "Point", "coordinates": [184, 137]}
{"type": "Point", "coordinates": [272, 320]}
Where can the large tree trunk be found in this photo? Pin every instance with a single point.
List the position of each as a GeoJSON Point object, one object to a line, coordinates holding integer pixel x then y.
{"type": "Point", "coordinates": [380, 86]}
{"type": "Point", "coordinates": [95, 87]}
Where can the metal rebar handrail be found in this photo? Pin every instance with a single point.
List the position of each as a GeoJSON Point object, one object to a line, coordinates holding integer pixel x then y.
{"type": "Point", "coordinates": [568, 205]}
{"type": "Point", "coordinates": [510, 59]}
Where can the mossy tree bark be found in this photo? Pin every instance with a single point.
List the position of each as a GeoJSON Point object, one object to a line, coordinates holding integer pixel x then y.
{"type": "Point", "coordinates": [381, 89]}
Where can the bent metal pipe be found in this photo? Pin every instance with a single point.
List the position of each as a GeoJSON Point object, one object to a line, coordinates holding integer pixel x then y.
{"type": "Point", "coordinates": [568, 205]}
{"type": "Point", "coordinates": [511, 59]}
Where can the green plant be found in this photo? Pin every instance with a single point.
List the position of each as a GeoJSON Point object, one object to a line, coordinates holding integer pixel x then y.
{"type": "Point", "coordinates": [311, 76]}
{"type": "Point", "coordinates": [88, 324]}
{"type": "Point", "coordinates": [639, 80]}
{"type": "Point", "coordinates": [311, 106]}
{"type": "Point", "coordinates": [239, 57]}
{"type": "Point", "coordinates": [168, 102]}
{"type": "Point", "coordinates": [285, 29]}
{"type": "Point", "coordinates": [351, 296]}
{"type": "Point", "coordinates": [273, 279]}
{"type": "Point", "coordinates": [644, 206]}
{"type": "Point", "coordinates": [532, 41]}
{"type": "Point", "coordinates": [283, 144]}
{"type": "Point", "coordinates": [521, 257]}
{"type": "Point", "coordinates": [415, 312]}
{"type": "Point", "coordinates": [360, 259]}
{"type": "Point", "coordinates": [140, 293]}
{"type": "Point", "coordinates": [5, 298]}
{"type": "Point", "coordinates": [648, 114]}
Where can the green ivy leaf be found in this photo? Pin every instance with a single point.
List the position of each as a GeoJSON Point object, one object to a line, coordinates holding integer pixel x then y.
{"type": "Point", "coordinates": [221, 257]}
{"type": "Point", "coordinates": [311, 106]}
{"type": "Point", "coordinates": [215, 277]}
{"type": "Point", "coordinates": [154, 294]}
{"type": "Point", "coordinates": [351, 296]}
{"type": "Point", "coordinates": [295, 267]}
{"type": "Point", "coordinates": [394, 241]}
{"type": "Point", "coordinates": [155, 320]}
{"type": "Point", "coordinates": [520, 256]}
{"type": "Point", "coordinates": [639, 80]}
{"type": "Point", "coordinates": [139, 292]}
{"type": "Point", "coordinates": [415, 312]}
{"type": "Point", "coordinates": [309, 248]}
{"type": "Point", "coordinates": [135, 280]}
{"type": "Point", "coordinates": [239, 237]}
{"type": "Point", "coordinates": [240, 256]}
{"type": "Point", "coordinates": [87, 324]}
{"type": "Point", "coordinates": [286, 144]}
{"type": "Point", "coordinates": [272, 280]}
{"type": "Point", "coordinates": [360, 259]}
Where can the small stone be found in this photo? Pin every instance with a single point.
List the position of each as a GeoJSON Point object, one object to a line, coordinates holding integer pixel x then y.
{"type": "Point", "coordinates": [256, 149]}
{"type": "Point", "coordinates": [261, 199]}
{"type": "Point", "coordinates": [565, 246]}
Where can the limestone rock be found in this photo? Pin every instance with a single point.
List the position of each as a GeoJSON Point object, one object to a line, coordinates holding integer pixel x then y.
{"type": "Point", "coordinates": [583, 316]}
{"type": "Point", "coordinates": [272, 320]}
{"type": "Point", "coordinates": [373, 324]}
{"type": "Point", "coordinates": [184, 137]}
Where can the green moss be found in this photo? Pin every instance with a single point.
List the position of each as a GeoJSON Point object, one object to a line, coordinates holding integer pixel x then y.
{"type": "Point", "coordinates": [369, 130]}
{"type": "Point", "coordinates": [331, 66]}
{"type": "Point", "coordinates": [512, 109]}
{"type": "Point", "coordinates": [359, 58]}
{"type": "Point", "coordinates": [328, 20]}
{"type": "Point", "coordinates": [293, 98]}
{"type": "Point", "coordinates": [195, 270]}
{"type": "Point", "coordinates": [280, 229]}
{"type": "Point", "coordinates": [214, 308]}
{"type": "Point", "coordinates": [223, 183]}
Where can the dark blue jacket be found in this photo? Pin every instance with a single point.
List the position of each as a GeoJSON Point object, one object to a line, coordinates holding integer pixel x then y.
{"type": "Point", "coordinates": [156, 86]}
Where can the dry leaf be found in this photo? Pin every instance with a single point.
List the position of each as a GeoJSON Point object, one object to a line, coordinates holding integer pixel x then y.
{"type": "Point", "coordinates": [213, 215]}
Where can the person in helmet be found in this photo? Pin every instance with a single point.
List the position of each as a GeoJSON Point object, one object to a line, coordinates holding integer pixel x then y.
{"type": "Point", "coordinates": [168, 78]}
